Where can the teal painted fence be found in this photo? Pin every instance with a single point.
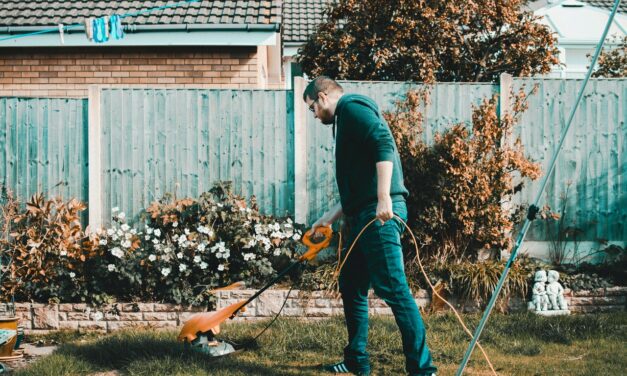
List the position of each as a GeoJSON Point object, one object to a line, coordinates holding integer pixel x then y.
{"type": "Point", "coordinates": [591, 172]}
{"type": "Point", "coordinates": [449, 103]}
{"type": "Point", "coordinates": [43, 146]}
{"type": "Point", "coordinates": [157, 141]}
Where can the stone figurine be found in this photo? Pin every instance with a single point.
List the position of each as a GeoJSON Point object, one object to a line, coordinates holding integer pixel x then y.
{"type": "Point", "coordinates": [555, 292]}
{"type": "Point", "coordinates": [539, 300]}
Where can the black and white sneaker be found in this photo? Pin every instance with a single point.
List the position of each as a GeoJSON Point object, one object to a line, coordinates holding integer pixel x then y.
{"type": "Point", "coordinates": [341, 368]}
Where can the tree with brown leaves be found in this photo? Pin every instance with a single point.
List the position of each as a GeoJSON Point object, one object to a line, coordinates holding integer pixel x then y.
{"type": "Point", "coordinates": [427, 40]}
{"type": "Point", "coordinates": [613, 62]}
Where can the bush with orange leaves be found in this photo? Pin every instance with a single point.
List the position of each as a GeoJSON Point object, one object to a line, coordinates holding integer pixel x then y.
{"type": "Point", "coordinates": [461, 186]}
{"type": "Point", "coordinates": [43, 248]}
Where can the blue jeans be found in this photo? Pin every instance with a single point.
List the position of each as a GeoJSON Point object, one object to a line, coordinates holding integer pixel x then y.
{"type": "Point", "coordinates": [377, 261]}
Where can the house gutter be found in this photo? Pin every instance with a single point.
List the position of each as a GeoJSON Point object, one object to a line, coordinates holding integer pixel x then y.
{"type": "Point", "coordinates": [130, 28]}
{"type": "Point", "coordinates": [147, 35]}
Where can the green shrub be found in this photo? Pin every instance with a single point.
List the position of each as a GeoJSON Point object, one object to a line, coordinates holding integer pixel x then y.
{"type": "Point", "coordinates": [179, 253]}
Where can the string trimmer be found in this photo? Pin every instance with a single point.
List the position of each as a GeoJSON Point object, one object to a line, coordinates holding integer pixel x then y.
{"type": "Point", "coordinates": [200, 332]}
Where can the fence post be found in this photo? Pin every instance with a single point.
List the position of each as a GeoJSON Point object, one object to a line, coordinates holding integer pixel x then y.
{"type": "Point", "coordinates": [301, 201]}
{"type": "Point", "coordinates": [505, 88]}
{"type": "Point", "coordinates": [94, 159]}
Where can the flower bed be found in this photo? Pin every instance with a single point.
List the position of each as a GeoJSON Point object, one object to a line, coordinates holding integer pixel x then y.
{"type": "Point", "coordinates": [178, 253]}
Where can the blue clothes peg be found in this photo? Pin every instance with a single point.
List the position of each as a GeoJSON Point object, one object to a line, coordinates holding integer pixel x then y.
{"type": "Point", "coordinates": [117, 30]}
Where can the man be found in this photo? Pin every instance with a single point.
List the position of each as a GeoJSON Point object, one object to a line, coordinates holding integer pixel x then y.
{"type": "Point", "coordinates": [370, 183]}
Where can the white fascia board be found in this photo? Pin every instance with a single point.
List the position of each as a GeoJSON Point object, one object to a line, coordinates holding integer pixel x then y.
{"type": "Point", "coordinates": [290, 50]}
{"type": "Point", "coordinates": [153, 38]}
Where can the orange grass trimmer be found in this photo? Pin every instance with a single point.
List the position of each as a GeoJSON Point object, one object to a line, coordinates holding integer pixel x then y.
{"type": "Point", "coordinates": [199, 332]}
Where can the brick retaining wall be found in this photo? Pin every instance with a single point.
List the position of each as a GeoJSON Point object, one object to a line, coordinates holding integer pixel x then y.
{"type": "Point", "coordinates": [39, 318]}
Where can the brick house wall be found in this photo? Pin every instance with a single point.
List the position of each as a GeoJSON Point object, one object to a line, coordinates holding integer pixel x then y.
{"type": "Point", "coordinates": [67, 72]}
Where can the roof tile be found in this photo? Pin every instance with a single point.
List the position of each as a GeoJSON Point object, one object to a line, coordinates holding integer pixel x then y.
{"type": "Point", "coordinates": [49, 13]}
{"type": "Point", "coordinates": [301, 17]}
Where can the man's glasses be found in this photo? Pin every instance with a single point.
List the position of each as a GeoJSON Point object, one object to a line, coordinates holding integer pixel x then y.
{"type": "Point", "coordinates": [311, 107]}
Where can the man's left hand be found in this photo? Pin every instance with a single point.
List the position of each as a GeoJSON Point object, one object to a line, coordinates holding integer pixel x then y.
{"type": "Point", "coordinates": [384, 209]}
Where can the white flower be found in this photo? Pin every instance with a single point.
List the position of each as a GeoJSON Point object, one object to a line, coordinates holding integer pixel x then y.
{"type": "Point", "coordinates": [126, 244]}
{"type": "Point", "coordinates": [147, 237]}
{"type": "Point", "coordinates": [201, 247]}
{"type": "Point", "coordinates": [220, 267]}
{"type": "Point", "coordinates": [165, 271]}
{"type": "Point", "coordinates": [179, 255]}
{"type": "Point", "coordinates": [203, 265]}
{"type": "Point", "coordinates": [248, 210]}
{"type": "Point", "coordinates": [119, 233]}
{"type": "Point", "coordinates": [157, 232]}
{"type": "Point", "coordinates": [111, 267]}
{"type": "Point", "coordinates": [155, 241]}
{"type": "Point", "coordinates": [133, 231]}
{"type": "Point", "coordinates": [167, 250]}
{"type": "Point", "coordinates": [219, 247]}
{"type": "Point", "coordinates": [149, 230]}
{"type": "Point", "coordinates": [152, 257]}
{"type": "Point", "coordinates": [128, 236]}
{"type": "Point", "coordinates": [103, 242]}
{"type": "Point", "coordinates": [197, 259]}
{"type": "Point", "coordinates": [287, 225]}
{"type": "Point", "coordinates": [186, 232]}
{"type": "Point", "coordinates": [296, 237]}
{"type": "Point", "coordinates": [117, 252]}
{"type": "Point", "coordinates": [115, 209]}
{"type": "Point", "coordinates": [72, 274]}
{"type": "Point", "coordinates": [114, 237]}
{"type": "Point", "coordinates": [182, 239]}
{"type": "Point", "coordinates": [98, 316]}
{"type": "Point", "coordinates": [277, 252]}
{"type": "Point", "coordinates": [175, 237]}
{"type": "Point", "coordinates": [63, 253]}
{"type": "Point", "coordinates": [182, 267]}
{"type": "Point", "coordinates": [121, 215]}
{"type": "Point", "coordinates": [205, 230]}
{"type": "Point", "coordinates": [249, 256]}
{"type": "Point", "coordinates": [175, 224]}
{"type": "Point", "coordinates": [110, 231]}
{"type": "Point", "coordinates": [125, 227]}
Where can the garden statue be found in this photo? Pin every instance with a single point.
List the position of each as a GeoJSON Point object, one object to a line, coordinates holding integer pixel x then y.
{"type": "Point", "coordinates": [539, 300]}
{"type": "Point", "coordinates": [548, 298]}
{"type": "Point", "coordinates": [555, 292]}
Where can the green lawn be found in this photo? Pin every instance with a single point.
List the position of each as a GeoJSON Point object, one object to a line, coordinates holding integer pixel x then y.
{"type": "Point", "coordinates": [518, 344]}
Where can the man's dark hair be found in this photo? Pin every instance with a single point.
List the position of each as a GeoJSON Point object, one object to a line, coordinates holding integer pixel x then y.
{"type": "Point", "coordinates": [321, 84]}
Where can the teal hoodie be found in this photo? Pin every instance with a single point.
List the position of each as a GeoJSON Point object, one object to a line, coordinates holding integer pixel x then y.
{"type": "Point", "coordinates": [363, 139]}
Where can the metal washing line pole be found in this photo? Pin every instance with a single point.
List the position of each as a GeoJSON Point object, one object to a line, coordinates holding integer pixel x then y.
{"type": "Point", "coordinates": [533, 209]}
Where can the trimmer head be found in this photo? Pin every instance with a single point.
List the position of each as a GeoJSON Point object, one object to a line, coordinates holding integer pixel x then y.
{"type": "Point", "coordinates": [207, 344]}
